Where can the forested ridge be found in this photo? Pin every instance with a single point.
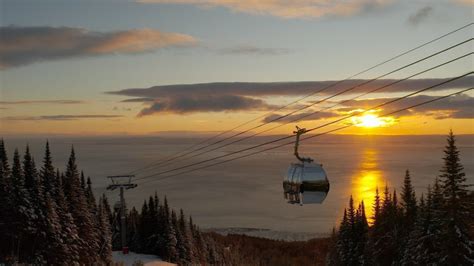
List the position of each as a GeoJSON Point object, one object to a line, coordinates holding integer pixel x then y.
{"type": "Point", "coordinates": [436, 228]}
{"type": "Point", "coordinates": [49, 217]}
{"type": "Point", "coordinates": [158, 229]}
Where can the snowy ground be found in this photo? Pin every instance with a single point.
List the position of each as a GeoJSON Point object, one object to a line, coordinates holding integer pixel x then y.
{"type": "Point", "coordinates": [134, 259]}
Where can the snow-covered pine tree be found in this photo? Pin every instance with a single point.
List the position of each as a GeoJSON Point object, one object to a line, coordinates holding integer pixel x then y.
{"type": "Point", "coordinates": [153, 234]}
{"type": "Point", "coordinates": [458, 248]}
{"type": "Point", "coordinates": [69, 231]}
{"type": "Point", "coordinates": [107, 208]}
{"type": "Point", "coordinates": [158, 228]}
{"type": "Point", "coordinates": [55, 251]}
{"type": "Point", "coordinates": [94, 245]}
{"type": "Point", "coordinates": [78, 207]}
{"type": "Point", "coordinates": [133, 219]}
{"type": "Point", "coordinates": [376, 206]}
{"type": "Point", "coordinates": [105, 251]}
{"type": "Point", "coordinates": [83, 182]}
{"type": "Point", "coordinates": [180, 245]}
{"type": "Point", "coordinates": [408, 202]}
{"type": "Point", "coordinates": [23, 213]}
{"type": "Point", "coordinates": [361, 237]}
{"type": "Point", "coordinates": [343, 245]}
{"type": "Point", "coordinates": [47, 172]}
{"type": "Point", "coordinates": [407, 214]}
{"type": "Point", "coordinates": [144, 229]}
{"type": "Point", "coordinates": [6, 205]}
{"type": "Point", "coordinates": [383, 236]}
{"type": "Point", "coordinates": [427, 236]}
{"type": "Point", "coordinates": [198, 244]}
{"type": "Point", "coordinates": [409, 256]}
{"type": "Point", "coordinates": [353, 234]}
{"type": "Point", "coordinates": [186, 249]}
{"type": "Point", "coordinates": [35, 187]}
{"type": "Point", "coordinates": [170, 238]}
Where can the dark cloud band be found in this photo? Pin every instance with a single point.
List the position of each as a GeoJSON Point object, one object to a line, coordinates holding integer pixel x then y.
{"type": "Point", "coordinates": [58, 117]}
{"type": "Point", "coordinates": [208, 103]}
{"type": "Point", "coordinates": [260, 89]}
{"type": "Point", "coordinates": [26, 45]}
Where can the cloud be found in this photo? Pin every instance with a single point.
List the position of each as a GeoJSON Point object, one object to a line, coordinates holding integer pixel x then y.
{"type": "Point", "coordinates": [138, 100]}
{"type": "Point", "coordinates": [58, 117]}
{"type": "Point", "coordinates": [307, 116]}
{"type": "Point", "coordinates": [26, 45]}
{"type": "Point", "coordinates": [286, 9]}
{"type": "Point", "coordinates": [459, 106]}
{"type": "Point", "coordinates": [42, 102]}
{"type": "Point", "coordinates": [209, 103]}
{"type": "Point", "coordinates": [252, 50]}
{"type": "Point", "coordinates": [244, 96]}
{"type": "Point", "coordinates": [260, 89]}
{"type": "Point", "coordinates": [420, 15]}
{"type": "Point", "coordinates": [455, 107]}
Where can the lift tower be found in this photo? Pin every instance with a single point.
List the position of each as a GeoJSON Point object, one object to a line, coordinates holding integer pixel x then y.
{"type": "Point", "coordinates": [122, 182]}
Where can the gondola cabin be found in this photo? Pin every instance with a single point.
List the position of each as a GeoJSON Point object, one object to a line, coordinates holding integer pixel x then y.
{"type": "Point", "coordinates": [306, 182]}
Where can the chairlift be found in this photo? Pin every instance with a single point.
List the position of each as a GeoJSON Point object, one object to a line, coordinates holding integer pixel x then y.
{"type": "Point", "coordinates": [306, 181]}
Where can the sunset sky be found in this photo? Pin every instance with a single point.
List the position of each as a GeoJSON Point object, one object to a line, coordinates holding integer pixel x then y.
{"type": "Point", "coordinates": [113, 67]}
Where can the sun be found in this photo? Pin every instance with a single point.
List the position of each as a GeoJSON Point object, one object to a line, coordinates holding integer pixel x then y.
{"type": "Point", "coordinates": [372, 121]}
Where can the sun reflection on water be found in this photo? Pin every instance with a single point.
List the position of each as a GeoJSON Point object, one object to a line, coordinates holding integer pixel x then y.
{"type": "Point", "coordinates": [367, 178]}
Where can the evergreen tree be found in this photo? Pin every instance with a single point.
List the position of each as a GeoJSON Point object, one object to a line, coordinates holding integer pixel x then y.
{"type": "Point", "coordinates": [458, 249]}
{"type": "Point", "coordinates": [55, 251]}
{"type": "Point", "coordinates": [186, 250]}
{"type": "Point", "coordinates": [408, 201]}
{"type": "Point", "coordinates": [424, 241]}
{"type": "Point", "coordinates": [384, 236]}
{"type": "Point", "coordinates": [23, 213]}
{"type": "Point", "coordinates": [361, 235]}
{"type": "Point", "coordinates": [376, 206]}
{"type": "Point", "coordinates": [342, 244]}
{"type": "Point", "coordinates": [47, 172]}
{"type": "Point", "coordinates": [35, 187]}
{"type": "Point", "coordinates": [69, 230]}
{"type": "Point", "coordinates": [6, 204]}
{"type": "Point", "coordinates": [105, 251]}
{"type": "Point", "coordinates": [133, 219]}
{"type": "Point", "coordinates": [170, 238]}
{"type": "Point", "coordinates": [198, 245]}
{"type": "Point", "coordinates": [95, 244]}
{"type": "Point", "coordinates": [144, 229]}
{"type": "Point", "coordinates": [78, 207]}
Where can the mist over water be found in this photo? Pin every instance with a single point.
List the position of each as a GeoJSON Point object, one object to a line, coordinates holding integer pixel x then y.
{"type": "Point", "coordinates": [248, 192]}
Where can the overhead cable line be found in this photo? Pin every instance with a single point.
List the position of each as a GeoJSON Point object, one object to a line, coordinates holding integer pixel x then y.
{"type": "Point", "coordinates": [186, 150]}
{"type": "Point", "coordinates": [306, 138]}
{"type": "Point", "coordinates": [327, 108]}
{"type": "Point", "coordinates": [183, 156]}
{"type": "Point", "coordinates": [311, 129]}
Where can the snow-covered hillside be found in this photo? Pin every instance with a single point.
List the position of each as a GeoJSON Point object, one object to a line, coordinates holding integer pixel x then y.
{"type": "Point", "coordinates": [137, 259]}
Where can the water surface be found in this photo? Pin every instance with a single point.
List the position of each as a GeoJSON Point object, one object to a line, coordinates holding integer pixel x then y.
{"type": "Point", "coordinates": [248, 192]}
